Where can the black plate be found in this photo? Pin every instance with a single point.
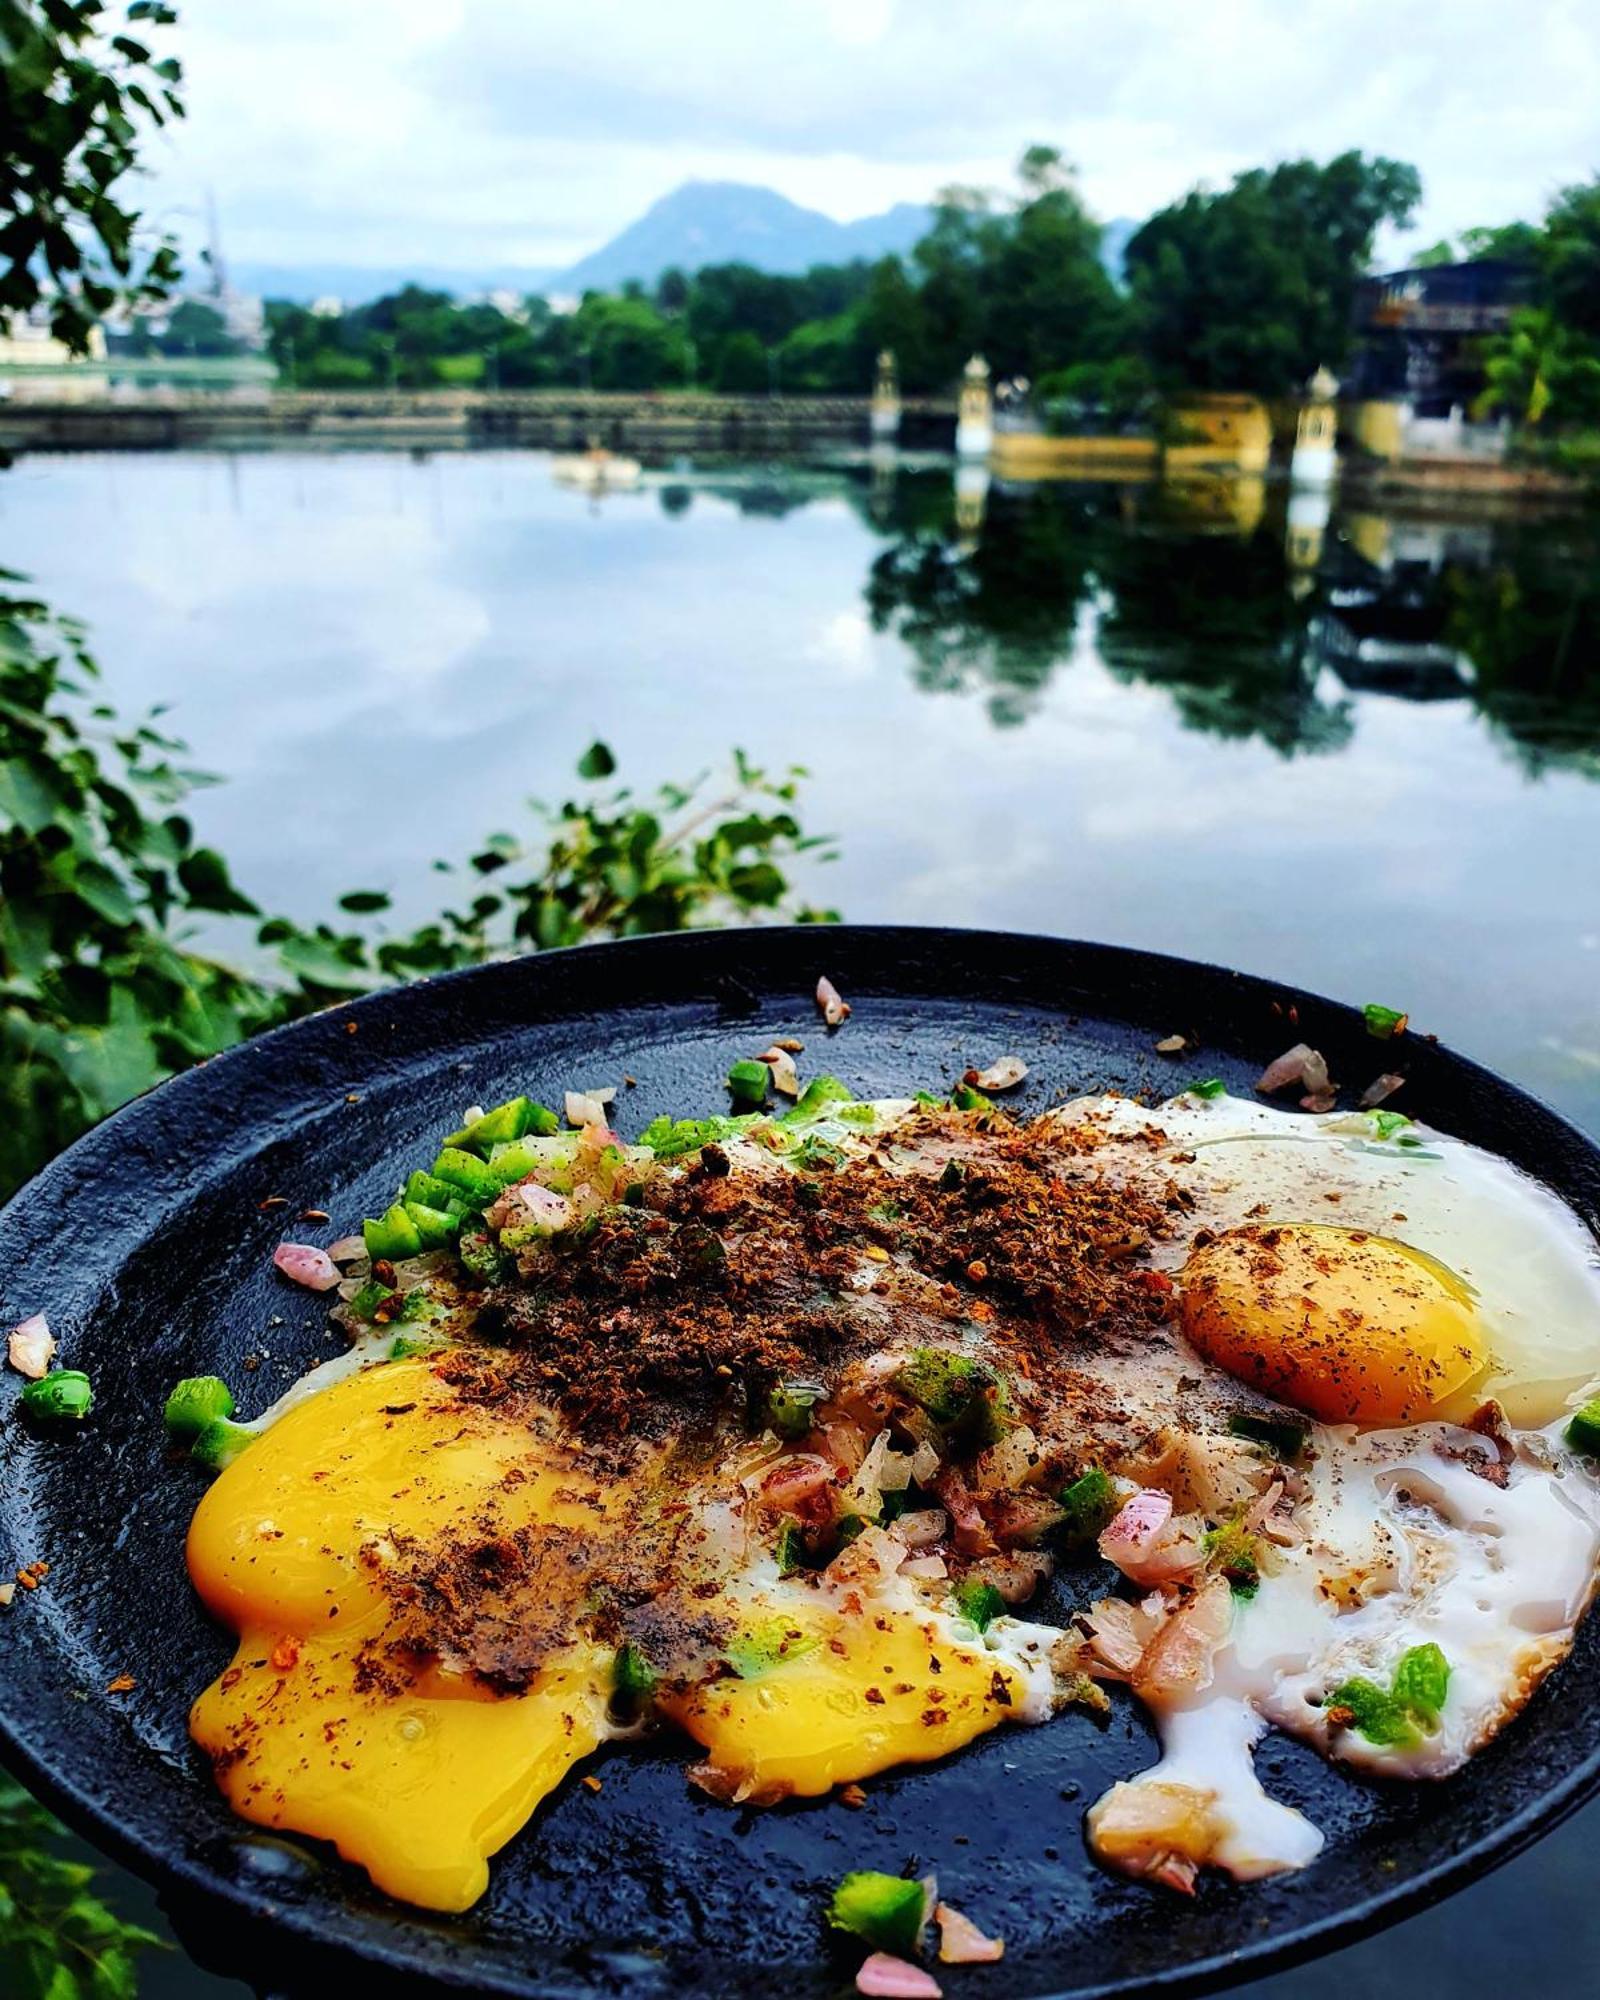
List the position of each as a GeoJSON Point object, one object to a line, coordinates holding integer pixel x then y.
{"type": "Point", "coordinates": [146, 1245]}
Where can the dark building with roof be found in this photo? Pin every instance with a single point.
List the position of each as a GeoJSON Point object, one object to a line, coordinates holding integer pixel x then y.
{"type": "Point", "coordinates": [1419, 333]}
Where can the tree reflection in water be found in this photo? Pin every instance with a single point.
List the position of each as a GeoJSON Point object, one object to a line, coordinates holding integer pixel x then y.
{"type": "Point", "coordinates": [1255, 625]}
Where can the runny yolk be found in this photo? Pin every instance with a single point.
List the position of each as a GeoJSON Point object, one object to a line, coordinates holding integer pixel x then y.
{"type": "Point", "coordinates": [420, 1777]}
{"type": "Point", "coordinates": [1350, 1327]}
{"type": "Point", "coordinates": [329, 1723]}
{"type": "Point", "coordinates": [825, 1698]}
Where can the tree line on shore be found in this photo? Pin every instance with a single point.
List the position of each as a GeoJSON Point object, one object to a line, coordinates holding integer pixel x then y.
{"type": "Point", "coordinates": [1250, 287]}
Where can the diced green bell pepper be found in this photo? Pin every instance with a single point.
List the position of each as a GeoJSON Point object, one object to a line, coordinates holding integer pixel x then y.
{"type": "Point", "coordinates": [1282, 1436]}
{"type": "Point", "coordinates": [790, 1405]}
{"type": "Point", "coordinates": [886, 1910]}
{"type": "Point", "coordinates": [1583, 1430]}
{"type": "Point", "coordinates": [64, 1395]}
{"type": "Point", "coordinates": [220, 1443]}
{"type": "Point", "coordinates": [978, 1603]}
{"type": "Point", "coordinates": [429, 1190]}
{"type": "Point", "coordinates": [506, 1121]}
{"type": "Point", "coordinates": [472, 1178]}
{"type": "Point", "coordinates": [814, 1100]}
{"type": "Point", "coordinates": [196, 1401]}
{"type": "Point", "coordinates": [961, 1395]}
{"type": "Point", "coordinates": [392, 1235]}
{"type": "Point", "coordinates": [363, 1305]}
{"type": "Point", "coordinates": [748, 1081]}
{"type": "Point", "coordinates": [1088, 1504]}
{"type": "Point", "coordinates": [435, 1226]}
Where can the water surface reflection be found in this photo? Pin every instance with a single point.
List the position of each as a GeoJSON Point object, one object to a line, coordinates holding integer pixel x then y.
{"type": "Point", "coordinates": [1355, 750]}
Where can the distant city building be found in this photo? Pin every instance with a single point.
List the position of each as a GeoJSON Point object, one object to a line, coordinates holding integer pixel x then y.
{"type": "Point", "coordinates": [27, 342]}
{"type": "Point", "coordinates": [1420, 332]}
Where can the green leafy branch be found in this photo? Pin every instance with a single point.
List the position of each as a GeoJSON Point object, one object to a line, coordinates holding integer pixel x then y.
{"type": "Point", "coordinates": [61, 1941]}
{"type": "Point", "coordinates": [77, 91]}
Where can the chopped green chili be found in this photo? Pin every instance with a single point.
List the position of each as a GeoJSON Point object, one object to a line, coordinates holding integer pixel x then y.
{"type": "Point", "coordinates": [196, 1401]}
{"type": "Point", "coordinates": [886, 1910]}
{"type": "Point", "coordinates": [64, 1395]}
{"type": "Point", "coordinates": [978, 1603]}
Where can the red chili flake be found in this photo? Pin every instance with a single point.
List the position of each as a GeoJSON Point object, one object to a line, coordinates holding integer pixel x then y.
{"type": "Point", "coordinates": [350, 1027]}
{"type": "Point", "coordinates": [592, 1782]}
{"type": "Point", "coordinates": [977, 1270]}
{"type": "Point", "coordinates": [274, 1201]}
{"type": "Point", "coordinates": [314, 1215]}
{"type": "Point", "coordinates": [851, 1796]}
{"type": "Point", "coordinates": [121, 1684]}
{"type": "Point", "coordinates": [285, 1654]}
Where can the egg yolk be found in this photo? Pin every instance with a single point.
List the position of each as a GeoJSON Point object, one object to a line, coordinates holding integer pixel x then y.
{"type": "Point", "coordinates": [420, 1774]}
{"type": "Point", "coordinates": [327, 1546]}
{"type": "Point", "coordinates": [1347, 1326]}
{"type": "Point", "coordinates": [831, 1698]}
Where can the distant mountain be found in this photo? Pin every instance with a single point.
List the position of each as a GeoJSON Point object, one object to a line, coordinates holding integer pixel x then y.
{"type": "Point", "coordinates": [725, 222]}
{"type": "Point", "coordinates": [702, 222]}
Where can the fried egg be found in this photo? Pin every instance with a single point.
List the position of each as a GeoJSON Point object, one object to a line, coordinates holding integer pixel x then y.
{"type": "Point", "coordinates": [1324, 1399]}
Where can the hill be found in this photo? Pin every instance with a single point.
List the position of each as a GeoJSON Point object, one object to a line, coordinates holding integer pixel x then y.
{"type": "Point", "coordinates": [724, 222]}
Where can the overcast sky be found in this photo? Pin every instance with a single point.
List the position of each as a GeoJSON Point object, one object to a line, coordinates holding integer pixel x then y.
{"type": "Point", "coordinates": [473, 132]}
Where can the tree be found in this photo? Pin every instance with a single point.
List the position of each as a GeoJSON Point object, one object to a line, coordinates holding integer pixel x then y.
{"type": "Point", "coordinates": [954, 259]}
{"type": "Point", "coordinates": [1570, 256]}
{"type": "Point", "coordinates": [1050, 302]}
{"type": "Point", "coordinates": [1253, 287]}
{"type": "Point", "coordinates": [742, 366]}
{"type": "Point", "coordinates": [1516, 242]}
{"type": "Point", "coordinates": [672, 290]}
{"type": "Point", "coordinates": [1539, 368]}
{"type": "Point", "coordinates": [630, 346]}
{"type": "Point", "coordinates": [828, 357]}
{"type": "Point", "coordinates": [77, 95]}
{"type": "Point", "coordinates": [197, 328]}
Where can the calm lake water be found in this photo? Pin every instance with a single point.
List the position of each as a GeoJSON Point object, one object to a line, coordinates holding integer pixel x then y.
{"type": "Point", "coordinates": [1359, 754]}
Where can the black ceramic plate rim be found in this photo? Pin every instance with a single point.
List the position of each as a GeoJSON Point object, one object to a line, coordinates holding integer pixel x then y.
{"type": "Point", "coordinates": [51, 1779]}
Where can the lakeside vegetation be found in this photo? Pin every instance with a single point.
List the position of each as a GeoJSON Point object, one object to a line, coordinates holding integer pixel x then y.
{"type": "Point", "coordinates": [1249, 288]}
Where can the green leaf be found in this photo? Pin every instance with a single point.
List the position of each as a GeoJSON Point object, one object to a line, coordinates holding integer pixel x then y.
{"type": "Point", "coordinates": [102, 891]}
{"type": "Point", "coordinates": [596, 762]}
{"type": "Point", "coordinates": [364, 902]}
{"type": "Point", "coordinates": [206, 882]}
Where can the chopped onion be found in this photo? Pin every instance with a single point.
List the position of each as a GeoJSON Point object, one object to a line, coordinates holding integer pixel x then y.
{"type": "Point", "coordinates": [922, 1528]}
{"type": "Point", "coordinates": [1119, 1632]}
{"type": "Point", "coordinates": [1135, 1527]}
{"type": "Point", "coordinates": [306, 1265]}
{"type": "Point", "coordinates": [588, 1107]}
{"type": "Point", "coordinates": [1379, 1088]}
{"type": "Point", "coordinates": [1172, 1045]}
{"type": "Point", "coordinates": [785, 1077]}
{"type": "Point", "coordinates": [348, 1249]}
{"type": "Point", "coordinates": [930, 1568]}
{"type": "Point", "coordinates": [1300, 1065]}
{"type": "Point", "coordinates": [834, 1010]}
{"type": "Point", "coordinates": [960, 1940]}
{"type": "Point", "coordinates": [1178, 1659]}
{"type": "Point", "coordinates": [30, 1347]}
{"type": "Point", "coordinates": [1004, 1073]}
{"type": "Point", "coordinates": [896, 1979]}
{"type": "Point", "coordinates": [528, 1205]}
{"type": "Point", "coordinates": [794, 1479]}
{"type": "Point", "coordinates": [924, 1462]}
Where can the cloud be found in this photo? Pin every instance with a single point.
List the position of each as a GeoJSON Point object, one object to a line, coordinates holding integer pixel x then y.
{"type": "Point", "coordinates": [462, 131]}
